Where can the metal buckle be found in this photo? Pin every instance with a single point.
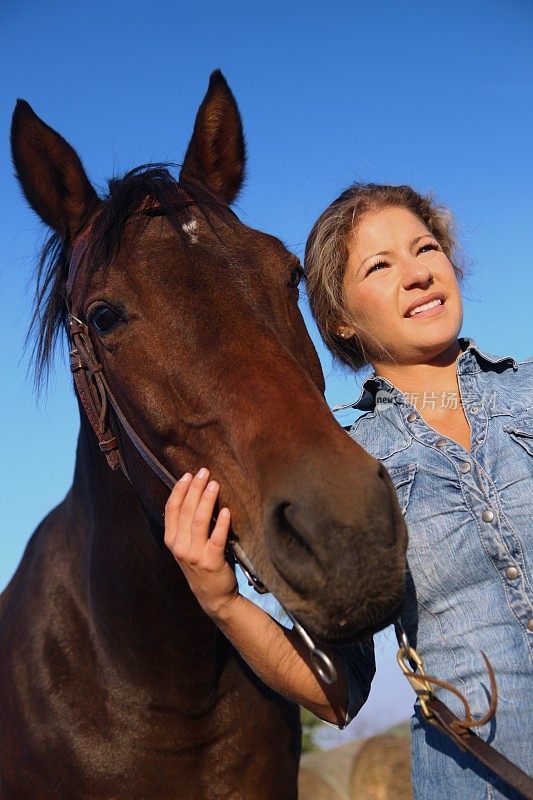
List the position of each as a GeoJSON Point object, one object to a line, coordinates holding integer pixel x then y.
{"type": "Point", "coordinates": [407, 656]}
{"type": "Point", "coordinates": [412, 666]}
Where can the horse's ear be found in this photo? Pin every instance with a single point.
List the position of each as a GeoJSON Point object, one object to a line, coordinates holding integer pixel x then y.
{"type": "Point", "coordinates": [50, 173]}
{"type": "Point", "coordinates": [216, 155]}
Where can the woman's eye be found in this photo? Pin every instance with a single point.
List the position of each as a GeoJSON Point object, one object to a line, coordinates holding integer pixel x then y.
{"type": "Point", "coordinates": [429, 246]}
{"type": "Point", "coordinates": [382, 264]}
{"type": "Point", "coordinates": [104, 318]}
{"type": "Point", "coordinates": [377, 266]}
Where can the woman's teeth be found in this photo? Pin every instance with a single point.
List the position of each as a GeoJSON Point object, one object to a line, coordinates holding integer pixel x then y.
{"type": "Point", "coordinates": [425, 307]}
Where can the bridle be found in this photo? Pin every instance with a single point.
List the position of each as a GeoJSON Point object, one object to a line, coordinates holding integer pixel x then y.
{"type": "Point", "coordinates": [96, 396]}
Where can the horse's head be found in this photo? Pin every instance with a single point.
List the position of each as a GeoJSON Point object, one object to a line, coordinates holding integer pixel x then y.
{"type": "Point", "coordinates": [194, 318]}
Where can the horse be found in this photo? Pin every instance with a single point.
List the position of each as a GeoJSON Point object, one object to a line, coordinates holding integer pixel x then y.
{"type": "Point", "coordinates": [188, 348]}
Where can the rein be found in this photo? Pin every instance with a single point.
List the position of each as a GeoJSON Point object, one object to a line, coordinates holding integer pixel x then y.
{"type": "Point", "coordinates": [96, 397]}
{"type": "Point", "coordinates": [439, 716]}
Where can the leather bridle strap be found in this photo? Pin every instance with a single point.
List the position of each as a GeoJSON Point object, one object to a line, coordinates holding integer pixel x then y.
{"type": "Point", "coordinates": [446, 721]}
{"type": "Point", "coordinates": [91, 384]}
{"type": "Point", "coordinates": [94, 392]}
{"type": "Point", "coordinates": [439, 716]}
{"type": "Point", "coordinates": [92, 389]}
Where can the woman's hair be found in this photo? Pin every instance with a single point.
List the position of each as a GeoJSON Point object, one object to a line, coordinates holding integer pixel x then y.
{"type": "Point", "coordinates": [326, 255]}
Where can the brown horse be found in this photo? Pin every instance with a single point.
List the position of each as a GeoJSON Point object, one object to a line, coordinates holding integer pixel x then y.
{"type": "Point", "coordinates": [113, 683]}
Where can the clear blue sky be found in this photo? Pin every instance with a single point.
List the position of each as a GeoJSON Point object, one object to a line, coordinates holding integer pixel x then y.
{"type": "Point", "coordinates": [438, 95]}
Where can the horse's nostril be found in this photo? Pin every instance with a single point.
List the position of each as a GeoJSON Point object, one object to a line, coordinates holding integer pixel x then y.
{"type": "Point", "coordinates": [291, 524]}
{"type": "Point", "coordinates": [291, 549]}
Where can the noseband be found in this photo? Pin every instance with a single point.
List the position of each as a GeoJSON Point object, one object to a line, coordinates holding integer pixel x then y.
{"type": "Point", "coordinates": [96, 397]}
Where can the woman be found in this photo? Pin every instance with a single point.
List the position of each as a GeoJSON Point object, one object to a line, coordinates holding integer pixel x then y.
{"type": "Point", "coordinates": [454, 427]}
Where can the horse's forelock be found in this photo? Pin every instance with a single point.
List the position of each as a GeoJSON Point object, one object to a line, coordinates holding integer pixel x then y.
{"type": "Point", "coordinates": [124, 198]}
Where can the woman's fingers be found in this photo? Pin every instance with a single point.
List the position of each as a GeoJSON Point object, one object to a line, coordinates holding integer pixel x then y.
{"type": "Point", "coordinates": [193, 496]}
{"type": "Point", "coordinates": [173, 508]}
{"type": "Point", "coordinates": [201, 521]}
{"type": "Point", "coordinates": [182, 541]}
{"type": "Point", "coordinates": [188, 516]}
{"type": "Point", "coordinates": [219, 535]}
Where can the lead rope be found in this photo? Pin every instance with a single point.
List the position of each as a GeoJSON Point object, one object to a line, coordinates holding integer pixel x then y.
{"type": "Point", "coordinates": [412, 666]}
{"type": "Point", "coordinates": [437, 714]}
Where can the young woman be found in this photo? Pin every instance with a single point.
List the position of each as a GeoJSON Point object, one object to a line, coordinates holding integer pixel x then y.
{"type": "Point", "coordinates": [454, 427]}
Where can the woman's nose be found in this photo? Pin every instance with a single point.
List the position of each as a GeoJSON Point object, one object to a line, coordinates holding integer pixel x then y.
{"type": "Point", "coordinates": [416, 274]}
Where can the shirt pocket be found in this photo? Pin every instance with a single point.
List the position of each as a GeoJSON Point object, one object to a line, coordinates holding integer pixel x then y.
{"type": "Point", "coordinates": [521, 431]}
{"type": "Point", "coordinates": [402, 477]}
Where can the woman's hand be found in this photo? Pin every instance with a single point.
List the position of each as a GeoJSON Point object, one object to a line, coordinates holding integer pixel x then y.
{"type": "Point", "coordinates": [276, 655]}
{"type": "Point", "coordinates": [188, 515]}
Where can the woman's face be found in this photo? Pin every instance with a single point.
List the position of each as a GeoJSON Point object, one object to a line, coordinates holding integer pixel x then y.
{"type": "Point", "coordinates": [395, 267]}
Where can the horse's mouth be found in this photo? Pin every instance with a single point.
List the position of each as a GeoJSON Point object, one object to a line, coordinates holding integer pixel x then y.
{"type": "Point", "coordinates": [343, 631]}
{"type": "Point", "coordinates": [346, 634]}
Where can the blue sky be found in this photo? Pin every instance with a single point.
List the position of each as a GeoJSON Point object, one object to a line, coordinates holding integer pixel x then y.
{"type": "Point", "coordinates": [436, 95]}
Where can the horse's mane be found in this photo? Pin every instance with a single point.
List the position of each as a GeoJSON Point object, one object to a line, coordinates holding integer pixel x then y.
{"type": "Point", "coordinates": [124, 197]}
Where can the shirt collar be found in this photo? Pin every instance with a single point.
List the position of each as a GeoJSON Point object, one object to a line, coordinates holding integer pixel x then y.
{"type": "Point", "coordinates": [367, 397]}
{"type": "Point", "coordinates": [469, 346]}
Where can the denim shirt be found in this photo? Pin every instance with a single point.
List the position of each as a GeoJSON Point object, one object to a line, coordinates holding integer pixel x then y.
{"type": "Point", "coordinates": [470, 560]}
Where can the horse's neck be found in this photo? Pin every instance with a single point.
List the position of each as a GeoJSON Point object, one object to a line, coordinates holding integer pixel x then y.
{"type": "Point", "coordinates": [143, 615]}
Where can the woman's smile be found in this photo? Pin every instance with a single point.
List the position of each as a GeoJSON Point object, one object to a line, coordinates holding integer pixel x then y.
{"type": "Point", "coordinates": [426, 306]}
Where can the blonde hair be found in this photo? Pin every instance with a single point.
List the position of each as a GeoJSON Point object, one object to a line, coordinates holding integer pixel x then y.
{"type": "Point", "coordinates": [326, 254]}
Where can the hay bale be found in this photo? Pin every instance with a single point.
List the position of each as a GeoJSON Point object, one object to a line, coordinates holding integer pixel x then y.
{"type": "Point", "coordinates": [382, 769]}
{"type": "Point", "coordinates": [311, 786]}
{"type": "Point", "coordinates": [332, 768]}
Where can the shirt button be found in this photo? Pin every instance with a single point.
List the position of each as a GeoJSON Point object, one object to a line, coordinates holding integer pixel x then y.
{"type": "Point", "coordinates": [411, 417]}
{"type": "Point", "coordinates": [511, 573]}
{"type": "Point", "coordinates": [530, 625]}
{"type": "Point", "coordinates": [440, 442]}
{"type": "Point", "coordinates": [465, 467]}
{"type": "Point", "coordinates": [474, 409]}
{"type": "Point", "coordinates": [487, 515]}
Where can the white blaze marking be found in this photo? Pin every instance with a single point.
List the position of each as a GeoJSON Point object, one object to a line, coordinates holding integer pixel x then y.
{"type": "Point", "coordinates": [190, 228]}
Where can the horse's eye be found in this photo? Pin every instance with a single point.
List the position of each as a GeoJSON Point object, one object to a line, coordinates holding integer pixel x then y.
{"type": "Point", "coordinates": [104, 318]}
{"type": "Point", "coordinates": [296, 276]}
